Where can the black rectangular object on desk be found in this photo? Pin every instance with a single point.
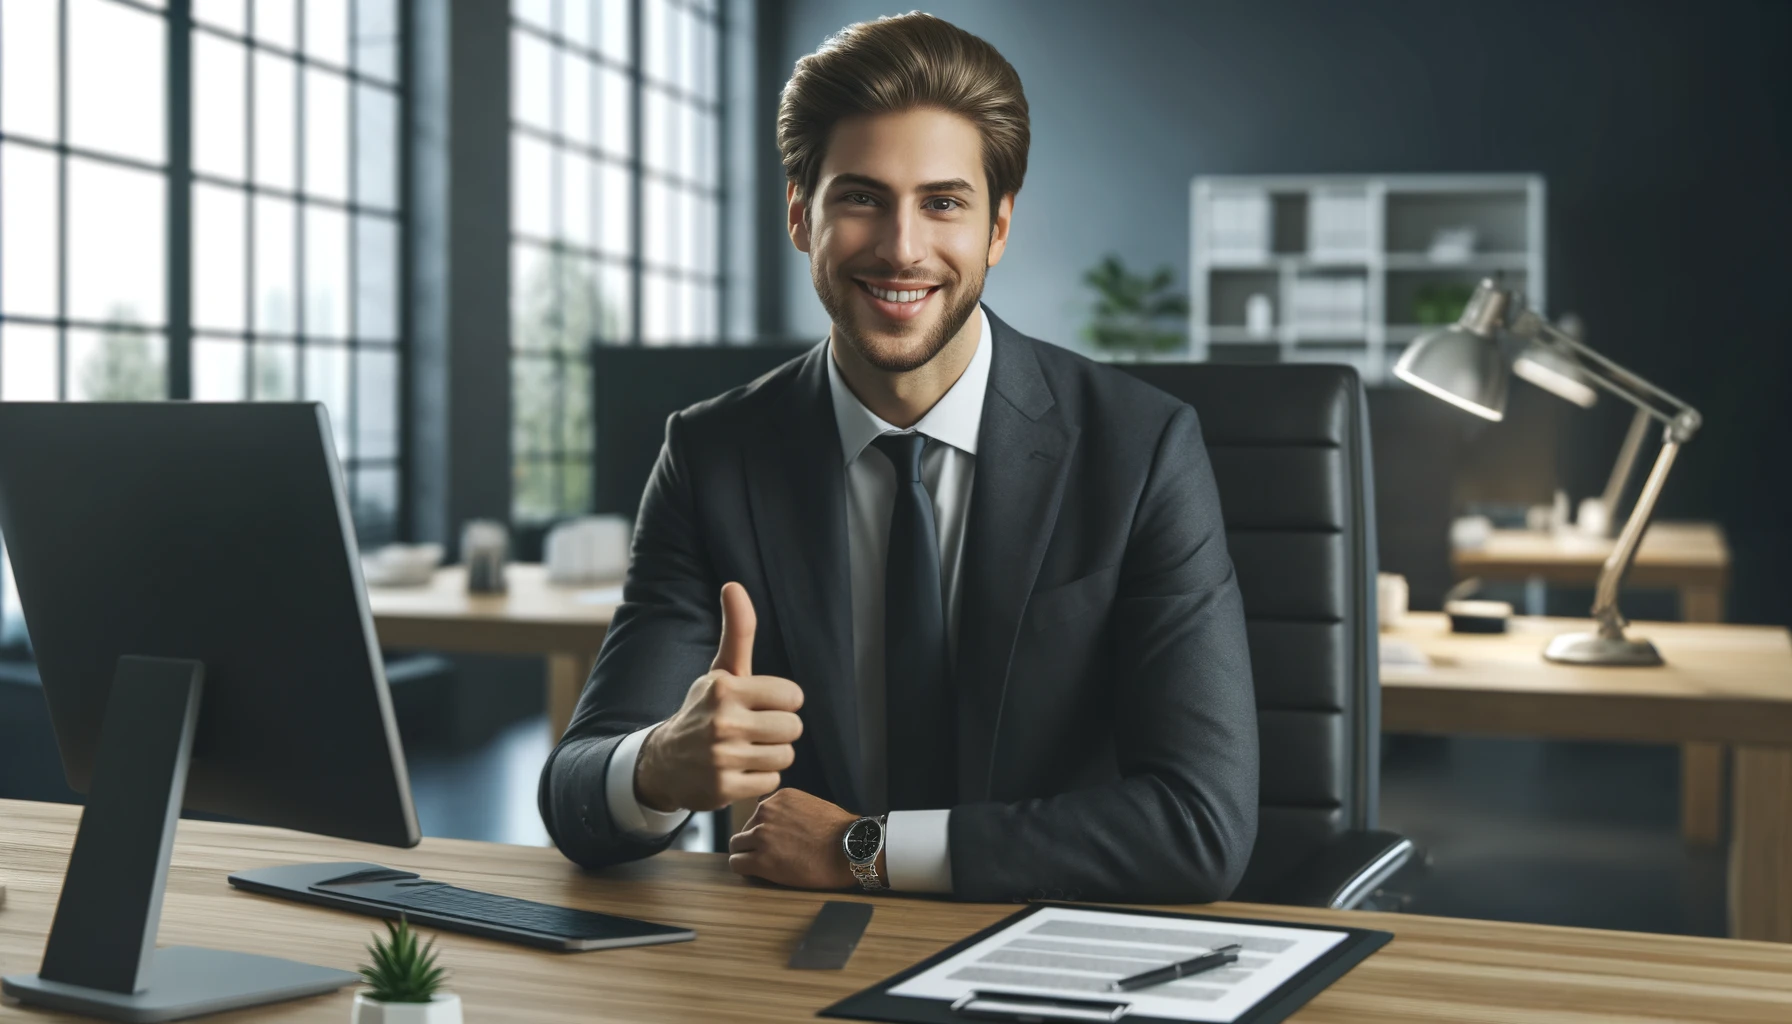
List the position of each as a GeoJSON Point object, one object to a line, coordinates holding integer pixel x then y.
{"type": "Point", "coordinates": [832, 936]}
{"type": "Point", "coordinates": [387, 892]}
{"type": "Point", "coordinates": [877, 1004]}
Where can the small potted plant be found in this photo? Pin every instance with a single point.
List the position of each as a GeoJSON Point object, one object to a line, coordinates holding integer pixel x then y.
{"type": "Point", "coordinates": [402, 981]}
{"type": "Point", "coordinates": [1135, 315]}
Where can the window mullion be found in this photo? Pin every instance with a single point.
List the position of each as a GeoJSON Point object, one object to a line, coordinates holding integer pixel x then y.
{"type": "Point", "coordinates": [251, 211]}
{"type": "Point", "coordinates": [351, 332]}
{"type": "Point", "coordinates": [637, 193]}
{"type": "Point", "coordinates": [719, 265]}
{"type": "Point", "coordinates": [558, 254]}
{"type": "Point", "coordinates": [179, 254]}
{"type": "Point", "coordinates": [299, 390]}
{"type": "Point", "coordinates": [62, 201]}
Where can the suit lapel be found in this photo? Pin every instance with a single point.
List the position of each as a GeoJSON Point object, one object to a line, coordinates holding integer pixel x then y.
{"type": "Point", "coordinates": [796, 490]}
{"type": "Point", "coordinates": [1023, 456]}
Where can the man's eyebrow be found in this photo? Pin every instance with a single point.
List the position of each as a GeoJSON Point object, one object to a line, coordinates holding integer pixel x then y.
{"type": "Point", "coordinates": [866, 181]}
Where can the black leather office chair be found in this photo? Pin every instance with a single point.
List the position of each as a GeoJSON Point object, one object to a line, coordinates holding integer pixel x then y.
{"type": "Point", "coordinates": [1290, 451]}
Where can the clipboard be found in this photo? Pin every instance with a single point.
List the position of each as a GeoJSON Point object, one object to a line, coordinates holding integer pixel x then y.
{"type": "Point", "coordinates": [877, 1004]}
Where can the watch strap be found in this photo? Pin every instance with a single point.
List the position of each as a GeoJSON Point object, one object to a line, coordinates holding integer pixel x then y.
{"type": "Point", "coordinates": [867, 876]}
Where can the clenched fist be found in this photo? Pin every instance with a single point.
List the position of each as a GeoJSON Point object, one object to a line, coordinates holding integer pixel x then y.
{"type": "Point", "coordinates": [734, 733]}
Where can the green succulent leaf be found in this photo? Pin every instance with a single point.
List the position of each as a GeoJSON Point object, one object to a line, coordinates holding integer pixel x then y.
{"type": "Point", "coordinates": [401, 971]}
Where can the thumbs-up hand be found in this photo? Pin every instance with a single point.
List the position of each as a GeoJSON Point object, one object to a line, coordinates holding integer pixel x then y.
{"type": "Point", "coordinates": [734, 733]}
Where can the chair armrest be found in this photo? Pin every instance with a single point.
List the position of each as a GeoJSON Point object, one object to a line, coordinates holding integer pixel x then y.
{"type": "Point", "coordinates": [1341, 874]}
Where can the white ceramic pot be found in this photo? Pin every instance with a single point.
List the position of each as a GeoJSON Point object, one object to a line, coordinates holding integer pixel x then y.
{"type": "Point", "coordinates": [444, 1008]}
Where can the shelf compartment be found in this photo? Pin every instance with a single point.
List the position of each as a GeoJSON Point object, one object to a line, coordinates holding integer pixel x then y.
{"type": "Point", "coordinates": [1500, 219]}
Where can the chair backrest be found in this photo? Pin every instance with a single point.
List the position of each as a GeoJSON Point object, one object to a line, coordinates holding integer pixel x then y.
{"type": "Point", "coordinates": [1290, 451]}
{"type": "Point", "coordinates": [635, 389]}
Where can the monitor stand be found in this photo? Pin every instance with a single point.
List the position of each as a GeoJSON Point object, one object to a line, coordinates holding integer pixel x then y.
{"type": "Point", "coordinates": [101, 959]}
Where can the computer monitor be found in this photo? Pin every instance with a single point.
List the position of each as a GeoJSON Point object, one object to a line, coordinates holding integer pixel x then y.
{"type": "Point", "coordinates": [190, 579]}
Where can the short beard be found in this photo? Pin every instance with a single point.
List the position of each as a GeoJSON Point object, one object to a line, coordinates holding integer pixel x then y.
{"type": "Point", "coordinates": [839, 304]}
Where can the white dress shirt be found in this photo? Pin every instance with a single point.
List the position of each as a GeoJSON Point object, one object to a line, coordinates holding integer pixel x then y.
{"type": "Point", "coordinates": [915, 842]}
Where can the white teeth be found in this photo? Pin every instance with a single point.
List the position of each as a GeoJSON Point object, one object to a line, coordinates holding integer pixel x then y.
{"type": "Point", "coordinates": [890, 296]}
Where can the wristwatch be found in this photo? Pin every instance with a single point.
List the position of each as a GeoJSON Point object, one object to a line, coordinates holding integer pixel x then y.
{"type": "Point", "coordinates": [863, 841]}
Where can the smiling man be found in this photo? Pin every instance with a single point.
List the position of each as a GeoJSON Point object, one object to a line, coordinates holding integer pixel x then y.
{"type": "Point", "coordinates": [953, 603]}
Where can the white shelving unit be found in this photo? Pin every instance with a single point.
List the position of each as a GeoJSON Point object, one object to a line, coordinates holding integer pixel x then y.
{"type": "Point", "coordinates": [1354, 301]}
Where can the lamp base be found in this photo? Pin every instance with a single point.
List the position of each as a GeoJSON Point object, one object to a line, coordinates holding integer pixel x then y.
{"type": "Point", "coordinates": [1593, 649]}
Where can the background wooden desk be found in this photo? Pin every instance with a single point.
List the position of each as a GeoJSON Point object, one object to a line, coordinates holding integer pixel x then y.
{"type": "Point", "coordinates": [1692, 558]}
{"type": "Point", "coordinates": [1436, 969]}
{"type": "Point", "coordinates": [1726, 684]}
{"type": "Point", "coordinates": [561, 624]}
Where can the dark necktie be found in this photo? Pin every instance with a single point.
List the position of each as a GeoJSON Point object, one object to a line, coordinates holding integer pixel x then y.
{"type": "Point", "coordinates": [918, 707]}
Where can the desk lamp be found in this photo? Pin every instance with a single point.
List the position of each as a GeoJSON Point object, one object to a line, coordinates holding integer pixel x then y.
{"type": "Point", "coordinates": [1465, 364]}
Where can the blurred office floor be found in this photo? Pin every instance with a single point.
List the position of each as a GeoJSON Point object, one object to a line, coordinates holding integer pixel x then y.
{"type": "Point", "coordinates": [488, 792]}
{"type": "Point", "coordinates": [1552, 833]}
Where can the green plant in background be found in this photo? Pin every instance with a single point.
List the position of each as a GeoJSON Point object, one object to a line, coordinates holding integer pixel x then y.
{"type": "Point", "coordinates": [402, 972]}
{"type": "Point", "coordinates": [1134, 313]}
{"type": "Point", "coordinates": [1440, 303]}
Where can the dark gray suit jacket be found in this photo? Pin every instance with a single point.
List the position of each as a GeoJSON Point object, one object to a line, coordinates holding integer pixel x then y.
{"type": "Point", "coordinates": [1106, 732]}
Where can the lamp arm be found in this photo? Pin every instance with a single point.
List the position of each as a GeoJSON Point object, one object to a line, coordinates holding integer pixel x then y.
{"type": "Point", "coordinates": [1681, 419]}
{"type": "Point", "coordinates": [1620, 478]}
{"type": "Point", "coordinates": [1682, 422]}
{"type": "Point", "coordinates": [1617, 564]}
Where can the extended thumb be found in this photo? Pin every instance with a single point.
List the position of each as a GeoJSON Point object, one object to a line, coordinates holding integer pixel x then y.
{"type": "Point", "coordinates": [735, 654]}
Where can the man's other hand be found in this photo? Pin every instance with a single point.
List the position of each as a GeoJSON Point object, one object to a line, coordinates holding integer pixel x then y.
{"type": "Point", "coordinates": [794, 838]}
{"type": "Point", "coordinates": [734, 733]}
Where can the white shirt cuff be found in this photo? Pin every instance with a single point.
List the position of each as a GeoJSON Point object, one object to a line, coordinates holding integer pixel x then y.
{"type": "Point", "coordinates": [619, 792]}
{"type": "Point", "coordinates": [915, 850]}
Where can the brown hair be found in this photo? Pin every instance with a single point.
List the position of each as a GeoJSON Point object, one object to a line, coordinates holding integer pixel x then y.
{"type": "Point", "coordinates": [897, 63]}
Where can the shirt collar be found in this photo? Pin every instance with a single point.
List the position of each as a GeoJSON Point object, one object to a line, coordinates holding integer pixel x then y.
{"type": "Point", "coordinates": [954, 419]}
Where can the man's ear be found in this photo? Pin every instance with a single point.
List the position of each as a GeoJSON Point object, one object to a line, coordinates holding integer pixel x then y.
{"type": "Point", "coordinates": [998, 228]}
{"type": "Point", "coordinates": [798, 213]}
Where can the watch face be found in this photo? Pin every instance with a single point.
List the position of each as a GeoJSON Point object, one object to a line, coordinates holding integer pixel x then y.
{"type": "Point", "coordinates": [862, 839]}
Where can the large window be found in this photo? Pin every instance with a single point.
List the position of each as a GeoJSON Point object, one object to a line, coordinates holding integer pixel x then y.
{"type": "Point", "coordinates": [615, 210]}
{"type": "Point", "coordinates": [83, 201]}
{"type": "Point", "coordinates": [296, 223]}
{"type": "Point", "coordinates": [258, 260]}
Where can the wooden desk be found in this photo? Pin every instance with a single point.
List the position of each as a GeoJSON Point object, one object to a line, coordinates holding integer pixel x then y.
{"type": "Point", "coordinates": [1722, 684]}
{"type": "Point", "coordinates": [564, 625]}
{"type": "Point", "coordinates": [1436, 969]}
{"type": "Point", "coordinates": [1690, 557]}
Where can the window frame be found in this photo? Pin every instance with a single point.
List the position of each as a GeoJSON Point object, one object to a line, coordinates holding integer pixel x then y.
{"type": "Point", "coordinates": [555, 248]}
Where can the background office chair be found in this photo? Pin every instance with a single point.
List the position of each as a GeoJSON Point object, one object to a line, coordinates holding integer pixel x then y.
{"type": "Point", "coordinates": [1290, 450]}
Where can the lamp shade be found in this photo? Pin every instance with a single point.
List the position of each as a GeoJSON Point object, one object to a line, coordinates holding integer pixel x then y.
{"type": "Point", "coordinates": [1459, 366]}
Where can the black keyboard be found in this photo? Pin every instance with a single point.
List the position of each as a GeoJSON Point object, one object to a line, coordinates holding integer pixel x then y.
{"type": "Point", "coordinates": [507, 911]}
{"type": "Point", "coordinates": [378, 890]}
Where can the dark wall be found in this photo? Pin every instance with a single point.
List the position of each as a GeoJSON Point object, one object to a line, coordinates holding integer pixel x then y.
{"type": "Point", "coordinates": [1661, 129]}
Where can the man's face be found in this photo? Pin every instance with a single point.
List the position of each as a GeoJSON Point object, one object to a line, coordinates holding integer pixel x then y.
{"type": "Point", "coordinates": [900, 205]}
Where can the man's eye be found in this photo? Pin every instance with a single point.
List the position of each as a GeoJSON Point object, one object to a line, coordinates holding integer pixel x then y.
{"type": "Point", "coordinates": [851, 195]}
{"type": "Point", "coordinates": [945, 199]}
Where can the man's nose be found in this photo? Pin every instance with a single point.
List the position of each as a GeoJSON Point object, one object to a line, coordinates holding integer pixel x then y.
{"type": "Point", "coordinates": [901, 243]}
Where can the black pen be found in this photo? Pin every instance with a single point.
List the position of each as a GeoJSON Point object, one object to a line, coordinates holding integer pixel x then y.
{"type": "Point", "coordinates": [1218, 957]}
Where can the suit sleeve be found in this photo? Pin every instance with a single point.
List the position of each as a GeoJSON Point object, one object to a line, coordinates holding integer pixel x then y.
{"type": "Point", "coordinates": [662, 638]}
{"type": "Point", "coordinates": [1179, 824]}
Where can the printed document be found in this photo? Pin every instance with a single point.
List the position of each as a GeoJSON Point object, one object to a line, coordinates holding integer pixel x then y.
{"type": "Point", "coordinates": [1076, 953]}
